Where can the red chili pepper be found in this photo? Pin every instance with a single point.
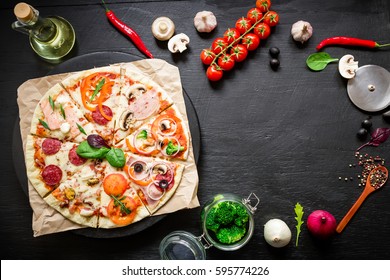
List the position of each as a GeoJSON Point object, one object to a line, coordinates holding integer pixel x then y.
{"type": "Point", "coordinates": [349, 41]}
{"type": "Point", "coordinates": [121, 26]}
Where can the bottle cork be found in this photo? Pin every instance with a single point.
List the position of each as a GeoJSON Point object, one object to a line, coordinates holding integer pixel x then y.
{"type": "Point", "coordinates": [23, 12]}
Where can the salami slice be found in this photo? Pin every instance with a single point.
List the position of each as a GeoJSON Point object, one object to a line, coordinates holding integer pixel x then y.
{"type": "Point", "coordinates": [51, 146]}
{"type": "Point", "coordinates": [98, 117]}
{"type": "Point", "coordinates": [74, 158]}
{"type": "Point", "coordinates": [52, 174]}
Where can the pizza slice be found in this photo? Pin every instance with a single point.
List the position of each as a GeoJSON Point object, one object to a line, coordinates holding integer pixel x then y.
{"type": "Point", "coordinates": [78, 197]}
{"type": "Point", "coordinates": [58, 116]}
{"type": "Point", "coordinates": [165, 135]}
{"type": "Point", "coordinates": [155, 180]}
{"type": "Point", "coordinates": [140, 99]}
{"type": "Point", "coordinates": [96, 91]}
{"type": "Point", "coordinates": [120, 204]}
{"type": "Point", "coordinates": [50, 162]}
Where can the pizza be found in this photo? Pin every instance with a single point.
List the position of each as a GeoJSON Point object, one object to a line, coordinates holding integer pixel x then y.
{"type": "Point", "coordinates": [107, 147]}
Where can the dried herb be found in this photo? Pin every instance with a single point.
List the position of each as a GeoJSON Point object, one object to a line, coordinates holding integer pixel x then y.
{"type": "Point", "coordinates": [318, 61]}
{"type": "Point", "coordinates": [379, 136]}
{"type": "Point", "coordinates": [81, 129]}
{"type": "Point", "coordinates": [299, 215]}
{"type": "Point", "coordinates": [44, 124]}
{"type": "Point", "coordinates": [118, 203]}
{"type": "Point", "coordinates": [97, 89]}
{"type": "Point", "coordinates": [51, 103]}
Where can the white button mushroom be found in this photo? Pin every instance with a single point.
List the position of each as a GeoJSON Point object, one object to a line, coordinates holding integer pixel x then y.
{"type": "Point", "coordinates": [205, 21]}
{"type": "Point", "coordinates": [347, 66]}
{"type": "Point", "coordinates": [163, 28]}
{"type": "Point", "coordinates": [178, 43]}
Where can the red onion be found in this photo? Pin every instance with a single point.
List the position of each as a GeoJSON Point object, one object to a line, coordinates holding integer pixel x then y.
{"type": "Point", "coordinates": [321, 224]}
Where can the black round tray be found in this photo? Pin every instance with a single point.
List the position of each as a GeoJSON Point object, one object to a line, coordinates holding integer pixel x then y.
{"type": "Point", "coordinates": [87, 61]}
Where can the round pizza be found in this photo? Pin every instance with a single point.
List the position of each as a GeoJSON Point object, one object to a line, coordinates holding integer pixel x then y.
{"type": "Point", "coordinates": [107, 147]}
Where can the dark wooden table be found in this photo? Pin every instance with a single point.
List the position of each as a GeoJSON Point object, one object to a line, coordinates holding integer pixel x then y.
{"type": "Point", "coordinates": [286, 135]}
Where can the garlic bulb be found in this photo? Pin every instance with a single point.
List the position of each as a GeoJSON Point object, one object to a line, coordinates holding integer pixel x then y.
{"type": "Point", "coordinates": [277, 233]}
{"type": "Point", "coordinates": [205, 21]}
{"type": "Point", "coordinates": [301, 31]}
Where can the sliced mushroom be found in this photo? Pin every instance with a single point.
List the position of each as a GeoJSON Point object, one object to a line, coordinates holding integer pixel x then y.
{"type": "Point", "coordinates": [160, 169]}
{"type": "Point", "coordinates": [165, 124]}
{"type": "Point", "coordinates": [135, 90]}
{"type": "Point", "coordinates": [126, 120]}
{"type": "Point", "coordinates": [178, 43]}
{"type": "Point", "coordinates": [93, 181]}
{"type": "Point", "coordinates": [347, 66]}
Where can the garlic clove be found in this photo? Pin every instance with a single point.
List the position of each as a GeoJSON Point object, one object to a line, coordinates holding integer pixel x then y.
{"type": "Point", "coordinates": [205, 21]}
{"type": "Point", "coordinates": [277, 233]}
{"type": "Point", "coordinates": [348, 66]}
{"type": "Point", "coordinates": [301, 31]}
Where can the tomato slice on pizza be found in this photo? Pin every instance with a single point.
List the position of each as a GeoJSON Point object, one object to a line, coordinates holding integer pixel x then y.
{"type": "Point", "coordinates": [96, 92]}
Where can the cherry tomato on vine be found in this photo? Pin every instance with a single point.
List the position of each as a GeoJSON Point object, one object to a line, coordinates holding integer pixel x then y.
{"type": "Point", "coordinates": [263, 5]}
{"type": "Point", "coordinates": [207, 56]}
{"type": "Point", "coordinates": [251, 41]}
{"type": "Point", "coordinates": [214, 73]}
{"type": "Point", "coordinates": [218, 45]}
{"type": "Point", "coordinates": [243, 24]}
{"type": "Point", "coordinates": [254, 15]}
{"type": "Point", "coordinates": [239, 52]}
{"type": "Point", "coordinates": [226, 62]}
{"type": "Point", "coordinates": [262, 30]}
{"type": "Point", "coordinates": [231, 35]}
{"type": "Point", "coordinates": [271, 18]}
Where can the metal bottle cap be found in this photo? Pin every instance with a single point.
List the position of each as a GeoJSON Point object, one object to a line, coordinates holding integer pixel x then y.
{"type": "Point", "coordinates": [369, 90]}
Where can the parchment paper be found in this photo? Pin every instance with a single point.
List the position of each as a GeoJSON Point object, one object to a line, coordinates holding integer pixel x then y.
{"type": "Point", "coordinates": [47, 220]}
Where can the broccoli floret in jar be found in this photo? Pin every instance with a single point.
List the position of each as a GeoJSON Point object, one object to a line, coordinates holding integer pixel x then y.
{"type": "Point", "coordinates": [241, 215]}
{"type": "Point", "coordinates": [225, 213]}
{"type": "Point", "coordinates": [231, 234]}
{"type": "Point", "coordinates": [211, 223]}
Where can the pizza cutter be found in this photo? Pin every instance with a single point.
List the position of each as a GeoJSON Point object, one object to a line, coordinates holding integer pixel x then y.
{"type": "Point", "coordinates": [369, 90]}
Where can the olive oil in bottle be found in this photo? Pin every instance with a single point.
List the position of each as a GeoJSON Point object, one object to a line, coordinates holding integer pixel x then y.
{"type": "Point", "coordinates": [51, 37]}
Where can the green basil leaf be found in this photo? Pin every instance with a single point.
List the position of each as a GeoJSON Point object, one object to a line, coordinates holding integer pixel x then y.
{"type": "Point", "coordinates": [51, 103]}
{"type": "Point", "coordinates": [98, 88]}
{"type": "Point", "coordinates": [318, 61]}
{"type": "Point", "coordinates": [116, 157]}
{"type": "Point", "coordinates": [81, 129]}
{"type": "Point", "coordinates": [44, 124]}
{"type": "Point", "coordinates": [86, 151]}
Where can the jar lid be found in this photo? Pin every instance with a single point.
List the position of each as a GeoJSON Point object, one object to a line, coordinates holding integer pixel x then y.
{"type": "Point", "coordinates": [23, 12]}
{"type": "Point", "coordinates": [182, 245]}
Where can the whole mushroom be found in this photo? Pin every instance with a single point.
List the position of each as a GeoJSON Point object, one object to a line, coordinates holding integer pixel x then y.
{"type": "Point", "coordinates": [178, 43]}
{"type": "Point", "coordinates": [163, 28]}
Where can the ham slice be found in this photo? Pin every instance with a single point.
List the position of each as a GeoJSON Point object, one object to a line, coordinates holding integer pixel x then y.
{"type": "Point", "coordinates": [52, 119]}
{"type": "Point", "coordinates": [145, 106]}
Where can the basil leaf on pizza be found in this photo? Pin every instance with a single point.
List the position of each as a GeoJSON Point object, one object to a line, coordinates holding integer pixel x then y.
{"type": "Point", "coordinates": [116, 157]}
{"type": "Point", "coordinates": [86, 151]}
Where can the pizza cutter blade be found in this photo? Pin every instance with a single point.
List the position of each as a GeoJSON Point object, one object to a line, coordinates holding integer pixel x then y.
{"type": "Point", "coordinates": [369, 90]}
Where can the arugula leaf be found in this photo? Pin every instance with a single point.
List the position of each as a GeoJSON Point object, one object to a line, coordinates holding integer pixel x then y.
{"type": "Point", "coordinates": [51, 103]}
{"type": "Point", "coordinates": [44, 124]}
{"type": "Point", "coordinates": [118, 202]}
{"type": "Point", "coordinates": [62, 112]}
{"type": "Point", "coordinates": [98, 88]}
{"type": "Point", "coordinates": [299, 215]}
{"type": "Point", "coordinates": [81, 129]}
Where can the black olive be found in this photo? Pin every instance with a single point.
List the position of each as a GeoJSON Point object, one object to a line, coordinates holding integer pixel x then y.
{"type": "Point", "coordinates": [362, 133]}
{"type": "Point", "coordinates": [274, 52]}
{"type": "Point", "coordinates": [367, 124]}
{"type": "Point", "coordinates": [274, 62]}
{"type": "Point", "coordinates": [138, 167]}
{"type": "Point", "coordinates": [163, 184]}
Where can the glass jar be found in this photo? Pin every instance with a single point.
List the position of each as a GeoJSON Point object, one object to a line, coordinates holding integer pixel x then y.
{"type": "Point", "coordinates": [182, 245]}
